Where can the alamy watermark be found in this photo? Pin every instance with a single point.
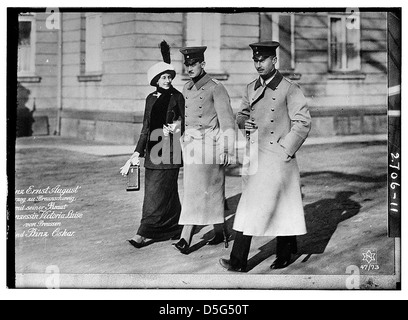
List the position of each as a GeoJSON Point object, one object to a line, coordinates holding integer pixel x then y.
{"type": "Point", "coordinates": [353, 18]}
{"type": "Point", "coordinates": [369, 262]}
{"type": "Point", "coordinates": [205, 146]}
{"type": "Point", "coordinates": [53, 21]}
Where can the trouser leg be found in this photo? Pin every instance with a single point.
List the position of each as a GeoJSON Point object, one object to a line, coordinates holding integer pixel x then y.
{"type": "Point", "coordinates": [240, 251]}
{"type": "Point", "coordinates": [285, 246]}
{"type": "Point", "coordinates": [219, 229]}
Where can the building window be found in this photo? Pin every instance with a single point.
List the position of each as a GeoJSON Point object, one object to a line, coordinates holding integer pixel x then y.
{"type": "Point", "coordinates": [93, 43]}
{"type": "Point", "coordinates": [344, 44]}
{"type": "Point", "coordinates": [283, 31]}
{"type": "Point", "coordinates": [280, 27]}
{"type": "Point", "coordinates": [91, 49]}
{"type": "Point", "coordinates": [204, 29]}
{"type": "Point", "coordinates": [26, 45]}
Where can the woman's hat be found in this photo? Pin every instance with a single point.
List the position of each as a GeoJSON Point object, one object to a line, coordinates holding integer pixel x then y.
{"type": "Point", "coordinates": [156, 71]}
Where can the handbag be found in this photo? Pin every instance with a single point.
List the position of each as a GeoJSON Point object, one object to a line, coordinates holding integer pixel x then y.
{"type": "Point", "coordinates": [133, 178]}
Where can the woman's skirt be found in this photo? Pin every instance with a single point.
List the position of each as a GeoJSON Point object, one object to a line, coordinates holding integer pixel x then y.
{"type": "Point", "coordinates": [161, 205]}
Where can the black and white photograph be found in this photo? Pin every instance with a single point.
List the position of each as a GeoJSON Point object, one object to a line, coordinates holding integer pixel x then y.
{"type": "Point", "coordinates": [204, 148]}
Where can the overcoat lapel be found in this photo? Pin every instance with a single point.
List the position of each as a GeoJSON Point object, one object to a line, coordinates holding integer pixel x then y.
{"type": "Point", "coordinates": [275, 81]}
{"type": "Point", "coordinates": [260, 90]}
{"type": "Point", "coordinates": [258, 95]}
{"type": "Point", "coordinates": [199, 83]}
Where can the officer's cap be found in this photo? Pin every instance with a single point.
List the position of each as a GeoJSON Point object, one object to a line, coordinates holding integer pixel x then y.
{"type": "Point", "coordinates": [193, 54]}
{"type": "Point", "coordinates": [264, 49]}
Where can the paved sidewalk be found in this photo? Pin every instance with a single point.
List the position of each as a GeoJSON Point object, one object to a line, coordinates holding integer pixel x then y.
{"type": "Point", "coordinates": [344, 182]}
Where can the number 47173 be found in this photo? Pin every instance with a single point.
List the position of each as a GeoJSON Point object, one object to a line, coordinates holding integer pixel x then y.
{"type": "Point", "coordinates": [369, 267]}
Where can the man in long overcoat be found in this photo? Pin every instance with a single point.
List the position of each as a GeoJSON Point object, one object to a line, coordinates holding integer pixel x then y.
{"type": "Point", "coordinates": [277, 121]}
{"type": "Point", "coordinates": [208, 146]}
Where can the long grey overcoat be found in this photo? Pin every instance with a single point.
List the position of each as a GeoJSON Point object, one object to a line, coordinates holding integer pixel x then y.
{"type": "Point", "coordinates": [271, 202]}
{"type": "Point", "coordinates": [209, 120]}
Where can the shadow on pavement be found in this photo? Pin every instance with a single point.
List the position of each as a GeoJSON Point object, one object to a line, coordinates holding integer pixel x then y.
{"type": "Point", "coordinates": [346, 176]}
{"type": "Point", "coordinates": [322, 218]}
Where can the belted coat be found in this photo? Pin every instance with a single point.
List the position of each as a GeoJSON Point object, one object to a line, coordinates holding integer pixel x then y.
{"type": "Point", "coordinates": [209, 121]}
{"type": "Point", "coordinates": [271, 201]}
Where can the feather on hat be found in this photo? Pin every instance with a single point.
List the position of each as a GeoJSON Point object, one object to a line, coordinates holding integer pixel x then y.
{"type": "Point", "coordinates": [155, 72]}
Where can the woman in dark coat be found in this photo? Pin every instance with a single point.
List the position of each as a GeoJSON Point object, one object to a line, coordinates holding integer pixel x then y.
{"type": "Point", "coordinates": [159, 144]}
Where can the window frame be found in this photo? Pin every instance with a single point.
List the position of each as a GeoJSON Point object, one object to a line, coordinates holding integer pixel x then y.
{"type": "Point", "coordinates": [194, 35]}
{"type": "Point", "coordinates": [275, 35]}
{"type": "Point", "coordinates": [30, 17]}
{"type": "Point", "coordinates": [91, 75]}
{"type": "Point", "coordinates": [90, 45]}
{"type": "Point", "coordinates": [343, 70]}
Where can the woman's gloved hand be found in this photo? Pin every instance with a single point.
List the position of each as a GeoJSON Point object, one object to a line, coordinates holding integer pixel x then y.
{"type": "Point", "coordinates": [134, 160]}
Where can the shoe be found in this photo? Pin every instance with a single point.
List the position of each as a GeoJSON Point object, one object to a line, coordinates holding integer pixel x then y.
{"type": "Point", "coordinates": [280, 264]}
{"type": "Point", "coordinates": [182, 246]}
{"type": "Point", "coordinates": [138, 245]}
{"type": "Point", "coordinates": [226, 264]}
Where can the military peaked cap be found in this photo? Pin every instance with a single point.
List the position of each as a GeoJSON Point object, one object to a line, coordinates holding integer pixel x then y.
{"type": "Point", "coordinates": [264, 48]}
{"type": "Point", "coordinates": [193, 54]}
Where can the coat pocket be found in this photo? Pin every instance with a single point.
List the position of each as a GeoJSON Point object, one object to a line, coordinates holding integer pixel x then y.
{"type": "Point", "coordinates": [282, 153]}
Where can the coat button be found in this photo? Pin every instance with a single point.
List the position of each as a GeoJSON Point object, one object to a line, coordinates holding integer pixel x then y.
{"type": "Point", "coordinates": [273, 98]}
{"type": "Point", "coordinates": [272, 109]}
{"type": "Point", "coordinates": [201, 98]}
{"type": "Point", "coordinates": [200, 107]}
{"type": "Point", "coordinates": [271, 120]}
{"type": "Point", "coordinates": [252, 109]}
{"type": "Point", "coordinates": [252, 119]}
{"type": "Point", "coordinates": [252, 141]}
{"type": "Point", "coordinates": [200, 116]}
{"type": "Point", "coordinates": [271, 142]}
{"type": "Point", "coordinates": [272, 132]}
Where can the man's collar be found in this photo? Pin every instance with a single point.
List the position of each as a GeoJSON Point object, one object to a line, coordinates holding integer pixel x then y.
{"type": "Point", "coordinates": [199, 83]}
{"type": "Point", "coordinates": [276, 79]}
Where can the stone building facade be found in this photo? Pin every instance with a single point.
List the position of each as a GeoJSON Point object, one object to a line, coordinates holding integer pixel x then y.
{"type": "Point", "coordinates": [86, 71]}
